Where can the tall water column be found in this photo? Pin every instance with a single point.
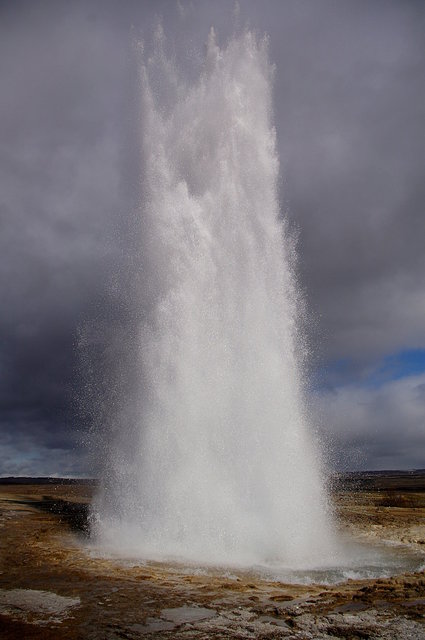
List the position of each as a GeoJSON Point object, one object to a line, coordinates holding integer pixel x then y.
{"type": "Point", "coordinates": [210, 457]}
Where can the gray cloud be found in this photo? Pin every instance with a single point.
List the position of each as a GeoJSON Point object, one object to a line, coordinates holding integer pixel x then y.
{"type": "Point", "coordinates": [350, 114]}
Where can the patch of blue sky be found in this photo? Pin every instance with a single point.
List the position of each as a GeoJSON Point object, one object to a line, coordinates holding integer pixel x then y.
{"type": "Point", "coordinates": [403, 364]}
{"type": "Point", "coordinates": [394, 366]}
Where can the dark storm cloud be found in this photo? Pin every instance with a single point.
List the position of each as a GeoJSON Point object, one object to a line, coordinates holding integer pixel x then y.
{"type": "Point", "coordinates": [59, 170]}
{"type": "Point", "coordinates": [352, 110]}
{"type": "Point", "coordinates": [350, 114]}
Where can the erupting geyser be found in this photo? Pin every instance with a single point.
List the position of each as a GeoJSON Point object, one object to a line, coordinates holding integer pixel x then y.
{"type": "Point", "coordinates": [210, 456]}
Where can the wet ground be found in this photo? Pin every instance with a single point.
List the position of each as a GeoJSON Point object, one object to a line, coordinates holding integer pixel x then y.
{"type": "Point", "coordinates": [53, 587]}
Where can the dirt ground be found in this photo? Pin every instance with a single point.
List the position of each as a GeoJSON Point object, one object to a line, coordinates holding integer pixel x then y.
{"type": "Point", "coordinates": [52, 588]}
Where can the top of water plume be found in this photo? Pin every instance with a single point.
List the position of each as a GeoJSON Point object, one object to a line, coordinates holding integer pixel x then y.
{"type": "Point", "coordinates": [209, 451]}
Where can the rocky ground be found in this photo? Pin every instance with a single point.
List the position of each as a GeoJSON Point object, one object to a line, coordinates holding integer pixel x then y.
{"type": "Point", "coordinates": [52, 587]}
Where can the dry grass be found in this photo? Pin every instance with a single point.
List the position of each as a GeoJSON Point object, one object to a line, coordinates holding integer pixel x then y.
{"type": "Point", "coordinates": [398, 500]}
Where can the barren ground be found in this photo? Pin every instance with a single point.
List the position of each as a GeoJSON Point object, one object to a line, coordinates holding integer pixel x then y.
{"type": "Point", "coordinates": [52, 588]}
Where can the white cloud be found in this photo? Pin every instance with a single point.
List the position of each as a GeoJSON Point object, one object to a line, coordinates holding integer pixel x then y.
{"type": "Point", "coordinates": [376, 427]}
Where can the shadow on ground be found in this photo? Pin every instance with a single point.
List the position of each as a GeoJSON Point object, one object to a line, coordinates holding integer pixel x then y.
{"type": "Point", "coordinates": [75, 515]}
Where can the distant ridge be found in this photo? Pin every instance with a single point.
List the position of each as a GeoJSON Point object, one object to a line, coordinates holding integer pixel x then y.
{"type": "Point", "coordinates": [45, 480]}
{"type": "Point", "coordinates": [385, 472]}
{"type": "Point", "coordinates": [338, 476]}
{"type": "Point", "coordinates": [410, 480]}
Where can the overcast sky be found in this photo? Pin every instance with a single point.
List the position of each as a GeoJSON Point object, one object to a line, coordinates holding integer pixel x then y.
{"type": "Point", "coordinates": [350, 118]}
